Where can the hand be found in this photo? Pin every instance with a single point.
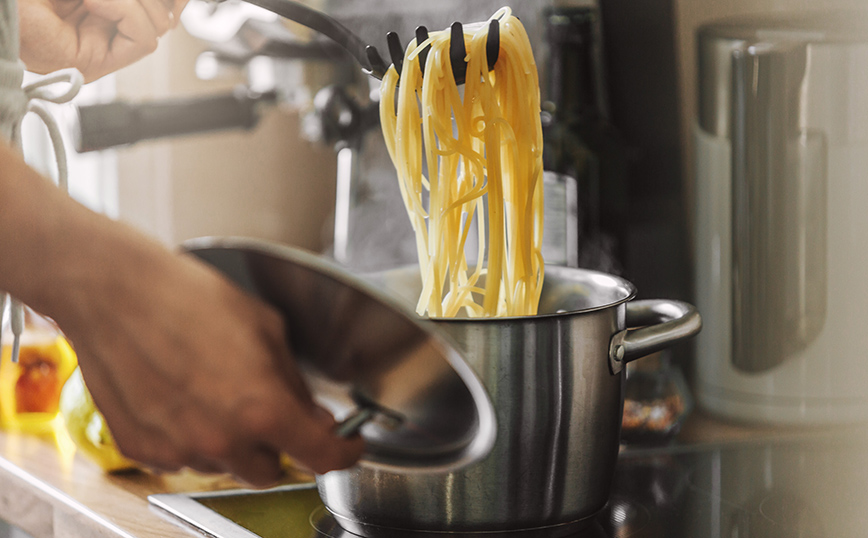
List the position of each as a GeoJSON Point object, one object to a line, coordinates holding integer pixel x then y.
{"type": "Point", "coordinates": [95, 36]}
{"type": "Point", "coordinates": [187, 369]}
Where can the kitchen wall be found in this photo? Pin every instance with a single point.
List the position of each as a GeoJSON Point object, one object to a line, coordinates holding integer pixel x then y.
{"type": "Point", "coordinates": [266, 183]}
{"type": "Point", "coordinates": [270, 183]}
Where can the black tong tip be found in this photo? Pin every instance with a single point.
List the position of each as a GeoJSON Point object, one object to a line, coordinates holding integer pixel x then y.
{"type": "Point", "coordinates": [377, 66]}
{"type": "Point", "coordinates": [421, 37]}
{"type": "Point", "coordinates": [396, 51]}
{"type": "Point", "coordinates": [457, 51]}
{"type": "Point", "coordinates": [492, 45]}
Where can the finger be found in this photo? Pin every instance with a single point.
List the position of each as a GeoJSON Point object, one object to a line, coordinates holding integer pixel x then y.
{"type": "Point", "coordinates": [273, 416]}
{"type": "Point", "coordinates": [130, 16]}
{"type": "Point", "coordinates": [160, 14]}
{"type": "Point", "coordinates": [204, 466]}
{"type": "Point", "coordinates": [337, 453]}
{"type": "Point", "coordinates": [96, 59]}
{"type": "Point", "coordinates": [326, 451]}
{"type": "Point", "coordinates": [202, 437]}
{"type": "Point", "coordinates": [95, 36]}
{"type": "Point", "coordinates": [134, 37]}
{"type": "Point", "coordinates": [277, 339]}
{"type": "Point", "coordinates": [308, 436]}
{"type": "Point", "coordinates": [258, 466]}
{"type": "Point", "coordinates": [293, 423]}
{"type": "Point", "coordinates": [187, 422]}
{"type": "Point", "coordinates": [136, 441]}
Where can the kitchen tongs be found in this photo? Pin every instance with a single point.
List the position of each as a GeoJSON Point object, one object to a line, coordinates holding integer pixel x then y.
{"type": "Point", "coordinates": [367, 55]}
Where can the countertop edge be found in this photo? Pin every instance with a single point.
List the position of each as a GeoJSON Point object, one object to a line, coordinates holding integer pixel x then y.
{"type": "Point", "coordinates": [44, 511]}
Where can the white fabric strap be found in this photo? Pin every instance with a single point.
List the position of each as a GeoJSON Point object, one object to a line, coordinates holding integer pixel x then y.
{"type": "Point", "coordinates": [13, 101]}
{"type": "Point", "coordinates": [39, 90]}
{"type": "Point", "coordinates": [16, 322]}
{"type": "Point", "coordinates": [14, 105]}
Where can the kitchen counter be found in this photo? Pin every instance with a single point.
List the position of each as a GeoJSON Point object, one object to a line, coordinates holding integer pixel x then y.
{"type": "Point", "coordinates": [48, 490]}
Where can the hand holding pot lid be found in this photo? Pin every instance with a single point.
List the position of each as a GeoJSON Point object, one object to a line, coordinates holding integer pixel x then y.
{"type": "Point", "coordinates": [364, 355]}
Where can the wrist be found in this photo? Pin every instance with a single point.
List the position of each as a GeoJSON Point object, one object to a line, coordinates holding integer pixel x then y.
{"type": "Point", "coordinates": [98, 265]}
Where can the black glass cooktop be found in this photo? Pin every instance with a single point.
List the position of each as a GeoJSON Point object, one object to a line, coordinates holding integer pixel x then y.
{"type": "Point", "coordinates": [805, 488]}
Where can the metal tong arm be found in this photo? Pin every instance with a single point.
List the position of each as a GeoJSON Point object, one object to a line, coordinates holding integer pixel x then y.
{"type": "Point", "coordinates": [367, 55]}
{"type": "Point", "coordinates": [367, 410]}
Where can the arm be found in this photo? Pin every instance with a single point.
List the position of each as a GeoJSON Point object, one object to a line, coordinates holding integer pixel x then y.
{"type": "Point", "coordinates": [187, 369]}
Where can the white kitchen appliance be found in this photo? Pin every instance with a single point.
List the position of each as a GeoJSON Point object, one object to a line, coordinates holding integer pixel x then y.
{"type": "Point", "coordinates": [781, 236]}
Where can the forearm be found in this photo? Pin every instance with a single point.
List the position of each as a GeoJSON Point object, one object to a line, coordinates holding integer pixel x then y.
{"type": "Point", "coordinates": [31, 209]}
{"type": "Point", "coordinates": [53, 250]}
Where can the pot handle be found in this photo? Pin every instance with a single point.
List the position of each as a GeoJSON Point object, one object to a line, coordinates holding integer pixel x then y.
{"type": "Point", "coordinates": [664, 323]}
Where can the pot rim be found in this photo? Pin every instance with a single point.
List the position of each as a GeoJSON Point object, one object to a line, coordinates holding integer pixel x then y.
{"type": "Point", "coordinates": [629, 294]}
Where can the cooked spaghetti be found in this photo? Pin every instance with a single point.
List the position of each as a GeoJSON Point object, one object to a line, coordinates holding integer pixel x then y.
{"type": "Point", "coordinates": [483, 147]}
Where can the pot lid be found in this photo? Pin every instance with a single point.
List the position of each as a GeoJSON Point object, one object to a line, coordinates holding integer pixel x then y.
{"type": "Point", "coordinates": [379, 368]}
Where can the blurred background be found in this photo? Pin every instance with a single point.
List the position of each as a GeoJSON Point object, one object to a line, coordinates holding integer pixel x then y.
{"type": "Point", "coordinates": [272, 182]}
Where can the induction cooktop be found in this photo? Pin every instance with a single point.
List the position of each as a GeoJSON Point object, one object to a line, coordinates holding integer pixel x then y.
{"type": "Point", "coordinates": [812, 487]}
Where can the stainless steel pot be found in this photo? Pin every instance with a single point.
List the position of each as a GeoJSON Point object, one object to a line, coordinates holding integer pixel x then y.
{"type": "Point", "coordinates": [555, 381]}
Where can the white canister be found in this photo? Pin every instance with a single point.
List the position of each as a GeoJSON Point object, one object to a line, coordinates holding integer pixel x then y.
{"type": "Point", "coordinates": [781, 236]}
